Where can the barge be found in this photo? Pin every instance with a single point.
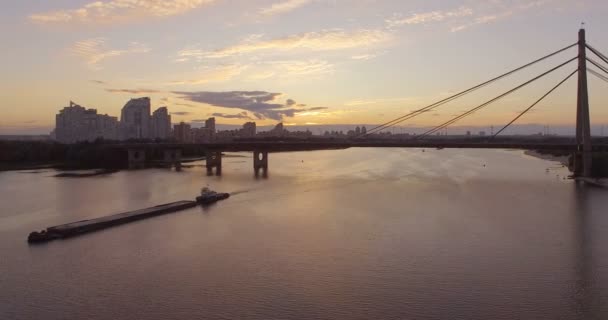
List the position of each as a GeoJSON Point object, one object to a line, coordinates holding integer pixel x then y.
{"type": "Point", "coordinates": [90, 225]}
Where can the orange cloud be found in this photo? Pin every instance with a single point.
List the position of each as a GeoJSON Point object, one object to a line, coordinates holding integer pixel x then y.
{"type": "Point", "coordinates": [119, 11]}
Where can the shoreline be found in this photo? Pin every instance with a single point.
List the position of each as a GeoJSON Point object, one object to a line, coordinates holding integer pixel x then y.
{"type": "Point", "coordinates": [564, 160]}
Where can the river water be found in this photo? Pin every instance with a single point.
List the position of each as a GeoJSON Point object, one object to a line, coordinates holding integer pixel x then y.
{"type": "Point", "coordinates": [348, 234]}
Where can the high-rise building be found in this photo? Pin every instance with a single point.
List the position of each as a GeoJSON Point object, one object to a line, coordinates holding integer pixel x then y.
{"type": "Point", "coordinates": [182, 132]}
{"type": "Point", "coordinates": [278, 130]}
{"type": "Point", "coordinates": [249, 129]}
{"type": "Point", "coordinates": [135, 119]}
{"type": "Point", "coordinates": [161, 124]}
{"type": "Point", "coordinates": [76, 123]}
{"type": "Point", "coordinates": [206, 133]}
{"type": "Point", "coordinates": [210, 125]}
{"type": "Point", "coordinates": [363, 130]}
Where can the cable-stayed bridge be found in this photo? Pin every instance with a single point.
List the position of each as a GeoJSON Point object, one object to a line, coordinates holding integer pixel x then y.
{"type": "Point", "coordinates": [581, 146]}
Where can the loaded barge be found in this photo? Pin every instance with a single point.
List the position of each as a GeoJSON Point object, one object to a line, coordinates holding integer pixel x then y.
{"type": "Point", "coordinates": [85, 226]}
{"type": "Point", "coordinates": [207, 197]}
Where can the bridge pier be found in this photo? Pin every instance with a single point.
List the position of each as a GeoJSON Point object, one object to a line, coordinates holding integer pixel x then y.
{"type": "Point", "coordinates": [260, 161]}
{"type": "Point", "coordinates": [214, 160]}
{"type": "Point", "coordinates": [137, 158]}
{"type": "Point", "coordinates": [582, 158]}
{"type": "Point", "coordinates": [173, 157]}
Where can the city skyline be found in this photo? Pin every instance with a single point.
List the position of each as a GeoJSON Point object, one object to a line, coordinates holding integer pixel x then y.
{"type": "Point", "coordinates": [360, 62]}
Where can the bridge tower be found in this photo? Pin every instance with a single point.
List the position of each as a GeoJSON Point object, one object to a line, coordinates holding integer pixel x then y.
{"type": "Point", "coordinates": [582, 160]}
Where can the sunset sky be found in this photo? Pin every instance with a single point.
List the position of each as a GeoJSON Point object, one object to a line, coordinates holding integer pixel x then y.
{"type": "Point", "coordinates": [297, 61]}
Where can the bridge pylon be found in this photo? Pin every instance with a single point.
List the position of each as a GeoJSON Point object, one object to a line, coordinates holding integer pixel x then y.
{"type": "Point", "coordinates": [583, 156]}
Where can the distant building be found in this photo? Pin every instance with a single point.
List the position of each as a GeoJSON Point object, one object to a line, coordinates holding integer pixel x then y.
{"type": "Point", "coordinates": [135, 119]}
{"type": "Point", "coordinates": [75, 123]}
{"type": "Point", "coordinates": [203, 135]}
{"type": "Point", "coordinates": [357, 131]}
{"type": "Point", "coordinates": [182, 132]}
{"type": "Point", "coordinates": [161, 124]}
{"type": "Point", "coordinates": [482, 133]}
{"type": "Point", "coordinates": [278, 130]}
{"type": "Point", "coordinates": [363, 130]}
{"type": "Point", "coordinates": [210, 125]}
{"type": "Point", "coordinates": [249, 129]}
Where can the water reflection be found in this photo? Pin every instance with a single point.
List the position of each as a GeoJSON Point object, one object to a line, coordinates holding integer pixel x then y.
{"type": "Point", "coordinates": [264, 174]}
{"type": "Point", "coordinates": [350, 234]}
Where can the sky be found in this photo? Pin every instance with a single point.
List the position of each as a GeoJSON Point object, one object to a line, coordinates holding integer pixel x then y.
{"type": "Point", "coordinates": [300, 62]}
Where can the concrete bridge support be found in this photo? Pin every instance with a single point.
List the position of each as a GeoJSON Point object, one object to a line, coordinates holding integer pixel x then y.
{"type": "Point", "coordinates": [137, 158]}
{"type": "Point", "coordinates": [214, 160]}
{"type": "Point", "coordinates": [260, 162]}
{"type": "Point", "coordinates": [582, 159]}
{"type": "Point", "coordinates": [173, 157]}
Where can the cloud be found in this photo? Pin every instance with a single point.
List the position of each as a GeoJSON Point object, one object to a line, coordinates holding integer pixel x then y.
{"type": "Point", "coordinates": [119, 11]}
{"type": "Point", "coordinates": [133, 91]}
{"type": "Point", "coordinates": [499, 12]}
{"type": "Point", "coordinates": [364, 56]}
{"type": "Point", "coordinates": [95, 51]}
{"type": "Point", "coordinates": [317, 108]}
{"type": "Point", "coordinates": [242, 115]}
{"type": "Point", "coordinates": [215, 74]}
{"type": "Point", "coordinates": [432, 16]}
{"type": "Point", "coordinates": [189, 105]}
{"type": "Point", "coordinates": [181, 113]}
{"type": "Point", "coordinates": [475, 13]}
{"type": "Point", "coordinates": [327, 40]}
{"type": "Point", "coordinates": [303, 67]}
{"type": "Point", "coordinates": [98, 81]}
{"type": "Point", "coordinates": [283, 7]}
{"type": "Point", "coordinates": [289, 69]}
{"type": "Point", "coordinates": [261, 104]}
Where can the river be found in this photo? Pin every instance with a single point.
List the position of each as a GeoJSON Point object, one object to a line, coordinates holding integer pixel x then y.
{"type": "Point", "coordinates": [343, 234]}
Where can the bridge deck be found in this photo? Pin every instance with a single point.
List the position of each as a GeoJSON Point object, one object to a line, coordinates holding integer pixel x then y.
{"type": "Point", "coordinates": [320, 145]}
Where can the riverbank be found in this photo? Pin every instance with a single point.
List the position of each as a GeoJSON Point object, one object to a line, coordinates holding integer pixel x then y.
{"type": "Point", "coordinates": [563, 159]}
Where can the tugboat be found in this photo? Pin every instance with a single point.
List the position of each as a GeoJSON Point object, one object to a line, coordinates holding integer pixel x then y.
{"type": "Point", "coordinates": [42, 236]}
{"type": "Point", "coordinates": [209, 196]}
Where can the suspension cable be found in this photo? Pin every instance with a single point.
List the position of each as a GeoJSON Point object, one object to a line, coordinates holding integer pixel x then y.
{"type": "Point", "coordinates": [598, 65]}
{"type": "Point", "coordinates": [471, 111]}
{"type": "Point", "coordinates": [460, 94]}
{"type": "Point", "coordinates": [534, 104]}
{"type": "Point", "coordinates": [597, 53]}
{"type": "Point", "coordinates": [597, 74]}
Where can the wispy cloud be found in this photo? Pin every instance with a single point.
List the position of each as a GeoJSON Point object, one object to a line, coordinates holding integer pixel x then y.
{"type": "Point", "coordinates": [366, 56]}
{"type": "Point", "coordinates": [283, 7]}
{"type": "Point", "coordinates": [119, 11]}
{"type": "Point", "coordinates": [476, 12]}
{"type": "Point", "coordinates": [426, 17]}
{"type": "Point", "coordinates": [94, 51]}
{"type": "Point", "coordinates": [303, 67]}
{"type": "Point", "coordinates": [501, 11]}
{"type": "Point", "coordinates": [213, 74]}
{"type": "Point", "coordinates": [326, 40]}
{"type": "Point", "coordinates": [242, 115]}
{"type": "Point", "coordinates": [133, 91]}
